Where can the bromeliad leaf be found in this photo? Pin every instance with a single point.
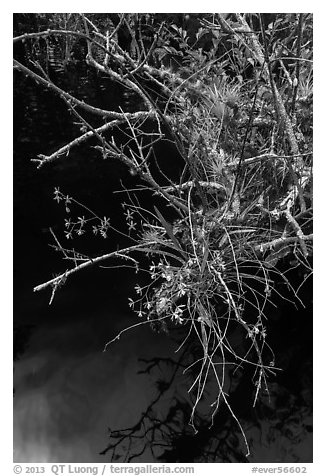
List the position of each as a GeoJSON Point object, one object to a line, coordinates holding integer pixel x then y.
{"type": "Point", "coordinates": [169, 230]}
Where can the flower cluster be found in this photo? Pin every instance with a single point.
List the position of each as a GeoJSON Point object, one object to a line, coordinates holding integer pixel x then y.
{"type": "Point", "coordinates": [102, 228]}
{"type": "Point", "coordinates": [129, 217]}
{"type": "Point", "coordinates": [77, 227]}
{"type": "Point", "coordinates": [173, 289]}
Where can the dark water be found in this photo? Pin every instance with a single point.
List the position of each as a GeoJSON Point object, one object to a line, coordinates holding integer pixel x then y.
{"type": "Point", "coordinates": [67, 391]}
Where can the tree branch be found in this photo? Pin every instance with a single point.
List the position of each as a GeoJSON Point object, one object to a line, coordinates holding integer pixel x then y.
{"type": "Point", "coordinates": [92, 261]}
{"type": "Point", "coordinates": [87, 107]}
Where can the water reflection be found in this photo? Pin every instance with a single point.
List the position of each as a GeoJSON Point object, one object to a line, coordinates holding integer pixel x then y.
{"type": "Point", "coordinates": [69, 396]}
{"type": "Point", "coordinates": [68, 392]}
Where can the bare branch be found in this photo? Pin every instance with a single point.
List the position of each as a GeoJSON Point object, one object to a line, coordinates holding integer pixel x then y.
{"type": "Point", "coordinates": [281, 241]}
{"type": "Point", "coordinates": [49, 84]}
{"type": "Point", "coordinates": [87, 264]}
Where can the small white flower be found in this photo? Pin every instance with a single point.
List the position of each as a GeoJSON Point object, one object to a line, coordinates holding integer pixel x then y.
{"type": "Point", "coordinates": [138, 289]}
